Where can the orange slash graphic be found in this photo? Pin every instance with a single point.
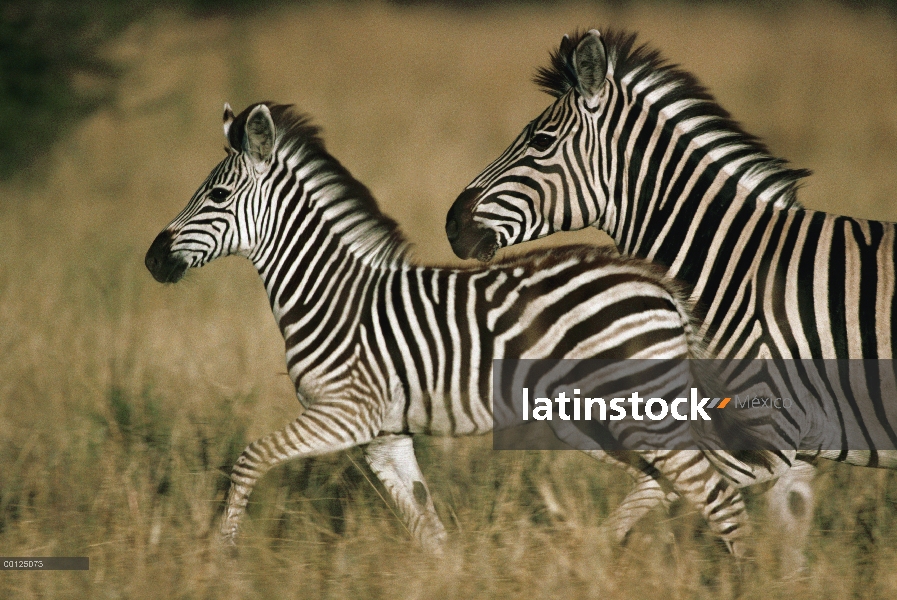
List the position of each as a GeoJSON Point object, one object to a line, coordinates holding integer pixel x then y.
{"type": "Point", "coordinates": [724, 403]}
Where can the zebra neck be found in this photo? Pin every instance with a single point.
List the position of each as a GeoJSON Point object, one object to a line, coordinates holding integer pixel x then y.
{"type": "Point", "coordinates": [683, 221]}
{"type": "Point", "coordinates": [682, 173]}
{"type": "Point", "coordinates": [324, 235]}
{"type": "Point", "coordinates": [661, 230]}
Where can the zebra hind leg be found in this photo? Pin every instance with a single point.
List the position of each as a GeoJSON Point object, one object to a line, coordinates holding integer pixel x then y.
{"type": "Point", "coordinates": [662, 476]}
{"type": "Point", "coordinates": [646, 495]}
{"type": "Point", "coordinates": [790, 502]}
{"type": "Point", "coordinates": [695, 479]}
{"type": "Point", "coordinates": [392, 459]}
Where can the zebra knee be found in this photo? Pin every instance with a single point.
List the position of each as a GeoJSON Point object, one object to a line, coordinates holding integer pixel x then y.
{"type": "Point", "coordinates": [252, 464]}
{"type": "Point", "coordinates": [244, 472]}
{"type": "Point", "coordinates": [792, 513]}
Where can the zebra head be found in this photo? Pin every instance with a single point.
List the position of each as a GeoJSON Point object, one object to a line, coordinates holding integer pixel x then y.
{"type": "Point", "coordinates": [223, 215]}
{"type": "Point", "coordinates": [524, 194]}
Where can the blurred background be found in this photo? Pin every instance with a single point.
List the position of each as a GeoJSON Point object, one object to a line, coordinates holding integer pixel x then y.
{"type": "Point", "coordinates": [120, 399]}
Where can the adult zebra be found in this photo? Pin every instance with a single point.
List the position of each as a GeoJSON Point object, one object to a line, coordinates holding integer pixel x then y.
{"type": "Point", "coordinates": [380, 349]}
{"type": "Point", "coordinates": [637, 148]}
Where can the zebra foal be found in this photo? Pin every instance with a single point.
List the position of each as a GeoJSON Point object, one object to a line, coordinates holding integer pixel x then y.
{"type": "Point", "coordinates": [636, 147]}
{"type": "Point", "coordinates": [381, 349]}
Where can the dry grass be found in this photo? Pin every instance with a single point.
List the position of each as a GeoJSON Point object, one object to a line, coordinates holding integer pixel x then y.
{"type": "Point", "coordinates": [120, 398]}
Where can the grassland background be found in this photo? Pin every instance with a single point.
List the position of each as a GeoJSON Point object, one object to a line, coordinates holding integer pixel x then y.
{"type": "Point", "coordinates": [121, 398]}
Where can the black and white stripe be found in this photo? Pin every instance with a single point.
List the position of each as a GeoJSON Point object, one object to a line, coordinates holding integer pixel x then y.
{"type": "Point", "coordinates": [637, 148]}
{"type": "Point", "coordinates": [381, 349]}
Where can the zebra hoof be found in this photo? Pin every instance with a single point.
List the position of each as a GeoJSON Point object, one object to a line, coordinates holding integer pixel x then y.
{"type": "Point", "coordinates": [435, 546]}
{"type": "Point", "coordinates": [228, 545]}
{"type": "Point", "coordinates": [228, 537]}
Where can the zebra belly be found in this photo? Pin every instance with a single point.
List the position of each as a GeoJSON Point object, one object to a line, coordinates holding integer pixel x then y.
{"type": "Point", "coordinates": [434, 413]}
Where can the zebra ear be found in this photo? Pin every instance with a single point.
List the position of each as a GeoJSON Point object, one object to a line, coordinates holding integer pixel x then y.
{"type": "Point", "coordinates": [258, 141]}
{"type": "Point", "coordinates": [566, 48]}
{"type": "Point", "coordinates": [590, 64]}
{"type": "Point", "coordinates": [228, 118]}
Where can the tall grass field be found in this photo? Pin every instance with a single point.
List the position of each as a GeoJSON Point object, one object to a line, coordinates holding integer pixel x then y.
{"type": "Point", "coordinates": [124, 402]}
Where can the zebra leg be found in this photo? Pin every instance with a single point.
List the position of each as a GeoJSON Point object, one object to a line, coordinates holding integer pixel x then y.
{"type": "Point", "coordinates": [647, 494]}
{"type": "Point", "coordinates": [323, 428]}
{"type": "Point", "coordinates": [790, 503]}
{"type": "Point", "coordinates": [392, 459]}
{"type": "Point", "coordinates": [644, 497]}
{"type": "Point", "coordinates": [694, 478]}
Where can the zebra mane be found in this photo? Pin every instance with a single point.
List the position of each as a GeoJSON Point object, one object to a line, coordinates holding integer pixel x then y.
{"type": "Point", "coordinates": [626, 60]}
{"type": "Point", "coordinates": [296, 133]}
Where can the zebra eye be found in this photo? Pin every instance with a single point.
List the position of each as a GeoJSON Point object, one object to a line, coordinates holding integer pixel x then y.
{"type": "Point", "coordinates": [541, 141]}
{"type": "Point", "coordinates": [219, 194]}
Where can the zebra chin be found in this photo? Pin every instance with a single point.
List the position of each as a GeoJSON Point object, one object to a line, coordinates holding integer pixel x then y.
{"type": "Point", "coordinates": [159, 261]}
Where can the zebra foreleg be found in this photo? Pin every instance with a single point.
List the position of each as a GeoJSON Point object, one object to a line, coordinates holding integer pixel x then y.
{"type": "Point", "coordinates": [323, 428]}
{"type": "Point", "coordinates": [392, 459]}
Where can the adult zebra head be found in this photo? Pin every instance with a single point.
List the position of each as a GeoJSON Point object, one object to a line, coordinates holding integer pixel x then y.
{"type": "Point", "coordinates": [629, 140]}
{"type": "Point", "coordinates": [225, 215]}
{"type": "Point", "coordinates": [517, 197]}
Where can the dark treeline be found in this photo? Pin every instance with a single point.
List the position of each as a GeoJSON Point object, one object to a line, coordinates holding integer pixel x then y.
{"type": "Point", "coordinates": [55, 67]}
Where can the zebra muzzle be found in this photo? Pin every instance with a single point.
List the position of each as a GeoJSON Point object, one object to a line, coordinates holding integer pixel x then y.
{"type": "Point", "coordinates": [468, 239]}
{"type": "Point", "coordinates": [159, 261]}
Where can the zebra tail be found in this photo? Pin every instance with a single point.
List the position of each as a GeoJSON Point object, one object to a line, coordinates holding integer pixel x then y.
{"type": "Point", "coordinates": [729, 430]}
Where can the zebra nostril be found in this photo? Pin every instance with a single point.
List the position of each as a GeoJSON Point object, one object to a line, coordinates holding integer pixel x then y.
{"type": "Point", "coordinates": [451, 228]}
{"type": "Point", "coordinates": [460, 213]}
